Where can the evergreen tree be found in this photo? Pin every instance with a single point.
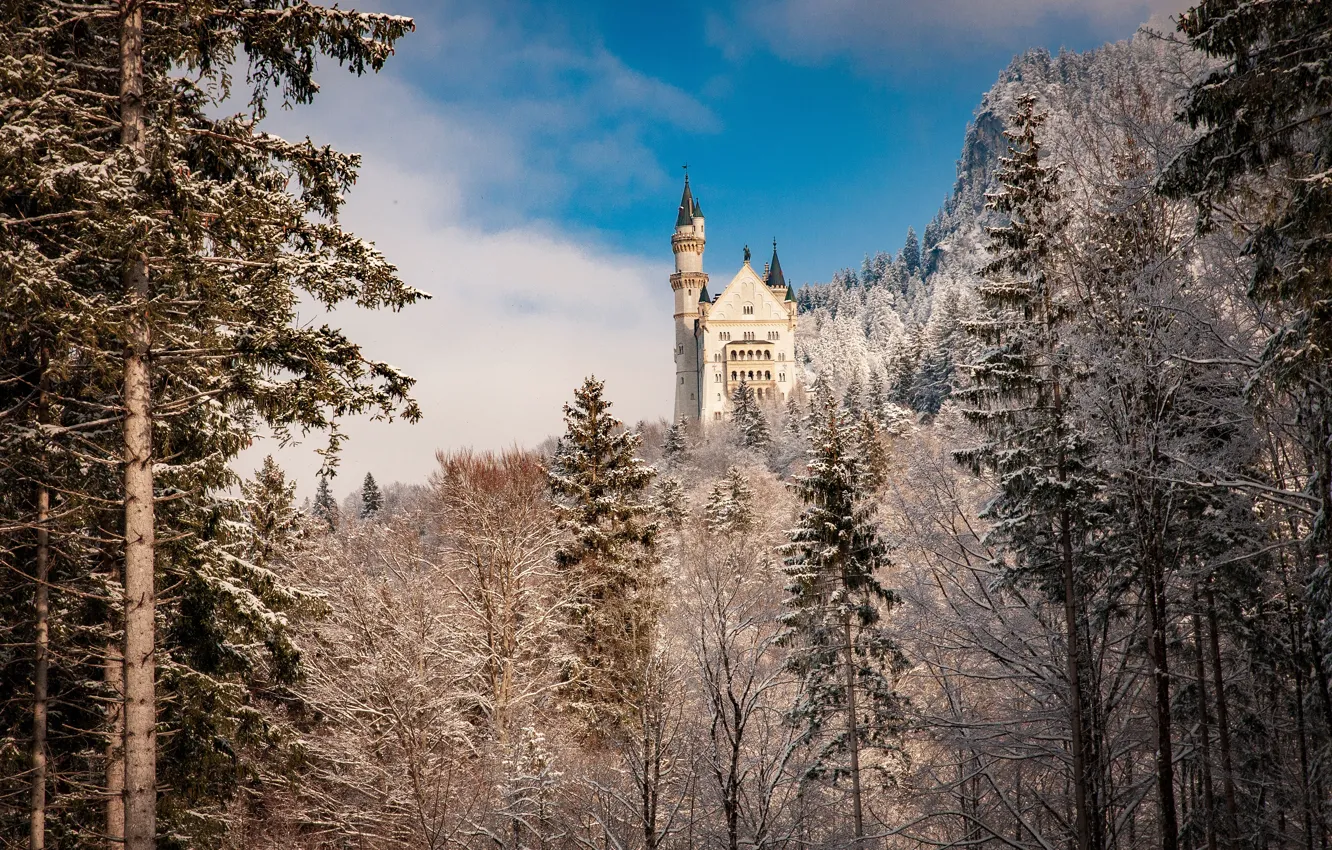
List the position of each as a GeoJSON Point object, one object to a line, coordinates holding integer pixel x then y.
{"type": "Point", "coordinates": [875, 401]}
{"type": "Point", "coordinates": [676, 444]}
{"type": "Point", "coordinates": [872, 451]}
{"type": "Point", "coordinates": [843, 656]}
{"type": "Point", "coordinates": [669, 500]}
{"type": "Point", "coordinates": [730, 508]}
{"type": "Point", "coordinates": [600, 485]}
{"type": "Point", "coordinates": [794, 416]}
{"type": "Point", "coordinates": [852, 402]}
{"type": "Point", "coordinates": [748, 418]}
{"type": "Point", "coordinates": [1017, 397]}
{"type": "Point", "coordinates": [163, 231]}
{"type": "Point", "coordinates": [325, 506]}
{"type": "Point", "coordinates": [1263, 113]}
{"type": "Point", "coordinates": [372, 501]}
{"type": "Point", "coordinates": [911, 253]}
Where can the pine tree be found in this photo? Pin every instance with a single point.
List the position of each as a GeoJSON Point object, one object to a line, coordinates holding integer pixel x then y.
{"type": "Point", "coordinates": [1017, 398]}
{"type": "Point", "coordinates": [852, 402]}
{"type": "Point", "coordinates": [139, 200]}
{"type": "Point", "coordinates": [676, 444]}
{"type": "Point", "coordinates": [872, 451]}
{"type": "Point", "coordinates": [748, 418]}
{"type": "Point", "coordinates": [845, 659]}
{"type": "Point", "coordinates": [794, 417]}
{"type": "Point", "coordinates": [325, 506]}
{"type": "Point", "coordinates": [730, 508]}
{"type": "Point", "coordinates": [372, 501]}
{"type": "Point", "coordinates": [669, 500]}
{"type": "Point", "coordinates": [600, 485]}
{"type": "Point", "coordinates": [1263, 113]}
{"type": "Point", "coordinates": [911, 252]}
{"type": "Point", "coordinates": [875, 401]}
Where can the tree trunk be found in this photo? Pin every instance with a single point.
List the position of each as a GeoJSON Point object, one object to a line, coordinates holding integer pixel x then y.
{"type": "Point", "coordinates": [1165, 768]}
{"type": "Point", "coordinates": [41, 663]}
{"type": "Point", "coordinates": [114, 676]}
{"type": "Point", "coordinates": [140, 663]}
{"type": "Point", "coordinates": [1074, 669]}
{"type": "Point", "coordinates": [1204, 727]}
{"type": "Point", "coordinates": [1222, 722]}
{"type": "Point", "coordinates": [853, 735]}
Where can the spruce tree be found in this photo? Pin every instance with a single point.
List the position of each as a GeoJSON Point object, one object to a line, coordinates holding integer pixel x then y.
{"type": "Point", "coordinates": [600, 489]}
{"type": "Point", "coordinates": [1017, 397]}
{"type": "Point", "coordinates": [325, 507]}
{"type": "Point", "coordinates": [166, 248]}
{"type": "Point", "coordinates": [911, 252]}
{"type": "Point", "coordinates": [669, 500]}
{"type": "Point", "coordinates": [845, 659]}
{"type": "Point", "coordinates": [730, 508]}
{"type": "Point", "coordinates": [852, 401]}
{"type": "Point", "coordinates": [748, 418]}
{"type": "Point", "coordinates": [676, 444]}
{"type": "Point", "coordinates": [1265, 135]}
{"type": "Point", "coordinates": [372, 501]}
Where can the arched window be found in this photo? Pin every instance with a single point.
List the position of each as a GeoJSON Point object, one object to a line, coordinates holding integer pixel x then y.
{"type": "Point", "coordinates": [733, 376]}
{"type": "Point", "coordinates": [767, 356]}
{"type": "Point", "coordinates": [751, 376]}
{"type": "Point", "coordinates": [732, 355]}
{"type": "Point", "coordinates": [749, 309]}
{"type": "Point", "coordinates": [767, 376]}
{"type": "Point", "coordinates": [781, 376]}
{"type": "Point", "coordinates": [781, 355]}
{"type": "Point", "coordinates": [718, 378]}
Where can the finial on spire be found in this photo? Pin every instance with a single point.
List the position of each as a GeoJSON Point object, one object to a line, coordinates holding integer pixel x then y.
{"type": "Point", "coordinates": [686, 171]}
{"type": "Point", "coordinates": [746, 253]}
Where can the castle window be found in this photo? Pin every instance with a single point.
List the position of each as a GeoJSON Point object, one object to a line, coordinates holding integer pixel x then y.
{"type": "Point", "coordinates": [751, 376]}
{"type": "Point", "coordinates": [749, 309]}
{"type": "Point", "coordinates": [749, 335]}
{"type": "Point", "coordinates": [733, 376]}
{"type": "Point", "coordinates": [718, 357]}
{"type": "Point", "coordinates": [781, 355]}
{"type": "Point", "coordinates": [781, 376]}
{"type": "Point", "coordinates": [767, 376]}
{"type": "Point", "coordinates": [767, 355]}
{"type": "Point", "coordinates": [682, 379]}
{"type": "Point", "coordinates": [717, 415]}
{"type": "Point", "coordinates": [718, 377]}
{"type": "Point", "coordinates": [733, 355]}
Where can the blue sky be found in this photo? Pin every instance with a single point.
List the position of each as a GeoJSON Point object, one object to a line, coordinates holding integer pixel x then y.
{"type": "Point", "coordinates": [522, 163]}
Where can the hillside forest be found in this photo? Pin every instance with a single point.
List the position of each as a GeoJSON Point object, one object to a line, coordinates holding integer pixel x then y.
{"type": "Point", "coordinates": [1037, 558]}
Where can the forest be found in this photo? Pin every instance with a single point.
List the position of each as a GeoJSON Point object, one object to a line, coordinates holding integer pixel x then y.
{"type": "Point", "coordinates": [1037, 558]}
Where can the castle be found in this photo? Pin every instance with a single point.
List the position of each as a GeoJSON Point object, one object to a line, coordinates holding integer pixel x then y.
{"type": "Point", "coordinates": [746, 333]}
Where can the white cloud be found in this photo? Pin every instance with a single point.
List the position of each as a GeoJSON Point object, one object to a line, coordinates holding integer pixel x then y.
{"type": "Point", "coordinates": [882, 32]}
{"type": "Point", "coordinates": [522, 311]}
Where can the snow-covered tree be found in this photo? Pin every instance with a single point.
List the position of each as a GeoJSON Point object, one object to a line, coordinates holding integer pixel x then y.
{"type": "Point", "coordinates": [677, 442]}
{"type": "Point", "coordinates": [749, 420]}
{"type": "Point", "coordinates": [1017, 396]}
{"type": "Point", "coordinates": [372, 500]}
{"type": "Point", "coordinates": [601, 494]}
{"type": "Point", "coordinates": [730, 508]}
{"type": "Point", "coordinates": [669, 500]}
{"type": "Point", "coordinates": [325, 507]}
{"type": "Point", "coordinates": [839, 648]}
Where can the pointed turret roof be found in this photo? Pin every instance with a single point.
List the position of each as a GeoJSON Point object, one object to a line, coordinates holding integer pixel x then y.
{"type": "Point", "coordinates": [790, 293]}
{"type": "Point", "coordinates": [689, 208]}
{"type": "Point", "coordinates": [703, 295]}
{"type": "Point", "coordinates": [775, 277]}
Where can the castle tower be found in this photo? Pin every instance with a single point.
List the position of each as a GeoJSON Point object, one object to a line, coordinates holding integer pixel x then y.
{"type": "Point", "coordinates": [688, 283]}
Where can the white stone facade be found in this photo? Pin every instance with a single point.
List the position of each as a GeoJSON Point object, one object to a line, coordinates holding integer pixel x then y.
{"type": "Point", "coordinates": [746, 332]}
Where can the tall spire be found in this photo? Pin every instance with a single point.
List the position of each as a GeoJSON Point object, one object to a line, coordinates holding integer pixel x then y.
{"type": "Point", "coordinates": [689, 208]}
{"type": "Point", "coordinates": [775, 277]}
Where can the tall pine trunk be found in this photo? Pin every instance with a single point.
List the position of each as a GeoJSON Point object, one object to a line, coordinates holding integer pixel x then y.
{"type": "Point", "coordinates": [1165, 768]}
{"type": "Point", "coordinates": [1222, 721]}
{"type": "Point", "coordinates": [853, 735]}
{"type": "Point", "coordinates": [41, 665]}
{"type": "Point", "coordinates": [1074, 670]}
{"type": "Point", "coordinates": [1204, 727]}
{"type": "Point", "coordinates": [114, 675]}
{"type": "Point", "coordinates": [140, 749]}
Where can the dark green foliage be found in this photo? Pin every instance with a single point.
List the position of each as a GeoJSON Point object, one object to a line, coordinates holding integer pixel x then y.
{"type": "Point", "coordinates": [325, 507]}
{"type": "Point", "coordinates": [911, 253]}
{"type": "Point", "coordinates": [372, 501]}
{"type": "Point", "coordinates": [832, 563]}
{"type": "Point", "coordinates": [749, 420]}
{"type": "Point", "coordinates": [600, 489]}
{"type": "Point", "coordinates": [730, 508]}
{"type": "Point", "coordinates": [676, 444]}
